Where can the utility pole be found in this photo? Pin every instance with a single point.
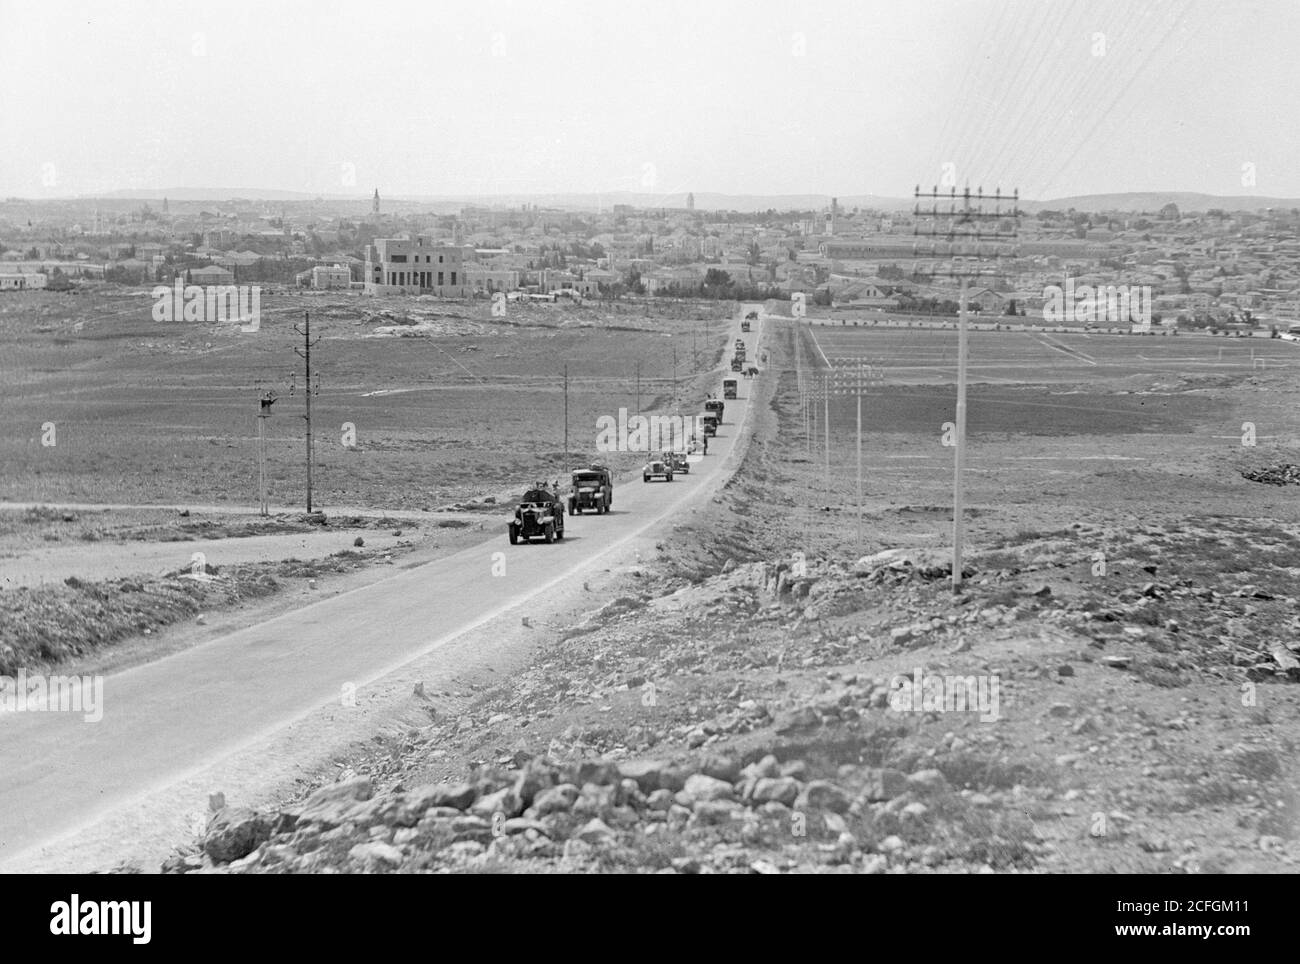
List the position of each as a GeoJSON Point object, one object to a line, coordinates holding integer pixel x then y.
{"type": "Point", "coordinates": [638, 386]}
{"type": "Point", "coordinates": [826, 420]}
{"type": "Point", "coordinates": [963, 233]}
{"type": "Point", "coordinates": [310, 388]}
{"type": "Point", "coordinates": [263, 413]}
{"type": "Point", "coordinates": [674, 405]}
{"type": "Point", "coordinates": [566, 412]}
{"type": "Point", "coordinates": [854, 379]}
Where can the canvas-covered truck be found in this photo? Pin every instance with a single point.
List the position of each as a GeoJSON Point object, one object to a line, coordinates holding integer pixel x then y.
{"type": "Point", "coordinates": [711, 422]}
{"type": "Point", "coordinates": [737, 363]}
{"type": "Point", "coordinates": [729, 389]}
{"type": "Point", "coordinates": [717, 406]}
{"type": "Point", "coordinates": [593, 488]}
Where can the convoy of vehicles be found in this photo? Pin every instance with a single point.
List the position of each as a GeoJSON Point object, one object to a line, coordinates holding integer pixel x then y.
{"type": "Point", "coordinates": [540, 513]}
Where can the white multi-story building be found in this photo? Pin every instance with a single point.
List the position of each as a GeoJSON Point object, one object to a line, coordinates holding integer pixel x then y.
{"type": "Point", "coordinates": [415, 265]}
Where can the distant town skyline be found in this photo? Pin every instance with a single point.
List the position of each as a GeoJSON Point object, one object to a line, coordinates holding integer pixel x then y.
{"type": "Point", "coordinates": [1058, 98]}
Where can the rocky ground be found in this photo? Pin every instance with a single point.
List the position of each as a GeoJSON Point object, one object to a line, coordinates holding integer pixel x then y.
{"type": "Point", "coordinates": [1103, 696]}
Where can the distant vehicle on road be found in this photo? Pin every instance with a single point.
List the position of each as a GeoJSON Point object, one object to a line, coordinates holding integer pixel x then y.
{"type": "Point", "coordinates": [678, 462]}
{"type": "Point", "coordinates": [717, 406]}
{"type": "Point", "coordinates": [657, 469]}
{"type": "Point", "coordinates": [729, 388]}
{"type": "Point", "coordinates": [711, 422]}
{"type": "Point", "coordinates": [539, 514]}
{"type": "Point", "coordinates": [737, 363]}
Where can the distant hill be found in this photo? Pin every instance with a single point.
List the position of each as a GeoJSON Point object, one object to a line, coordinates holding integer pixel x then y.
{"type": "Point", "coordinates": [1155, 200]}
{"type": "Point", "coordinates": [711, 201]}
{"type": "Point", "coordinates": [704, 201]}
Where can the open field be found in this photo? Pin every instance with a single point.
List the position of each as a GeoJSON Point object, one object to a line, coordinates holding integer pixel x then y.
{"type": "Point", "coordinates": [1033, 357]}
{"type": "Point", "coordinates": [150, 412]}
{"type": "Point", "coordinates": [1063, 426]}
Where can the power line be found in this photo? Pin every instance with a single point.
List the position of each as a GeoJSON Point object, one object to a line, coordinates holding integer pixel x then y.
{"type": "Point", "coordinates": [964, 235]}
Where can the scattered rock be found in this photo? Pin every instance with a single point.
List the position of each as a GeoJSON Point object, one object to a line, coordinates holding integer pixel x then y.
{"type": "Point", "coordinates": [823, 795]}
{"type": "Point", "coordinates": [376, 853]}
{"type": "Point", "coordinates": [884, 784]}
{"type": "Point", "coordinates": [783, 790]}
{"type": "Point", "coordinates": [235, 832]}
{"type": "Point", "coordinates": [701, 787]}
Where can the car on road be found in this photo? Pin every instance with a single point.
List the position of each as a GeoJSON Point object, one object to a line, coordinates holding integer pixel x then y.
{"type": "Point", "coordinates": [716, 405]}
{"type": "Point", "coordinates": [657, 469]}
{"type": "Point", "coordinates": [539, 514]}
{"type": "Point", "coordinates": [678, 462]}
{"type": "Point", "coordinates": [593, 488]}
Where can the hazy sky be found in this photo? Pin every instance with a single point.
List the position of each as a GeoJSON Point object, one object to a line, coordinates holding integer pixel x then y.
{"type": "Point", "coordinates": [1058, 97]}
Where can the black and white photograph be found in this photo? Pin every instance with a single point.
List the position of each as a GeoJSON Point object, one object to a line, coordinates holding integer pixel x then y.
{"type": "Point", "coordinates": [743, 437]}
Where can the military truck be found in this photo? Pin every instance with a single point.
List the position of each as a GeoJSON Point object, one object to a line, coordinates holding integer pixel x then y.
{"type": "Point", "coordinates": [539, 513]}
{"type": "Point", "coordinates": [593, 488]}
{"type": "Point", "coordinates": [716, 405]}
{"type": "Point", "coordinates": [711, 421]}
{"type": "Point", "coordinates": [729, 388]}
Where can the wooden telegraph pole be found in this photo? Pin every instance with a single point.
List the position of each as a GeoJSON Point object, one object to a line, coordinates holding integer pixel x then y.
{"type": "Point", "coordinates": [310, 388]}
{"type": "Point", "coordinates": [961, 226]}
{"type": "Point", "coordinates": [854, 378]}
{"type": "Point", "coordinates": [263, 413]}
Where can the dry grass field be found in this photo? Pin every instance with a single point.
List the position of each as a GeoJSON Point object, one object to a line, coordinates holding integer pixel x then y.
{"type": "Point", "coordinates": [150, 412]}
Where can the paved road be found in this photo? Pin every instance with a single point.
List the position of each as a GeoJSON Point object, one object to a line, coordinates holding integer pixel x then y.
{"type": "Point", "coordinates": [164, 719]}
